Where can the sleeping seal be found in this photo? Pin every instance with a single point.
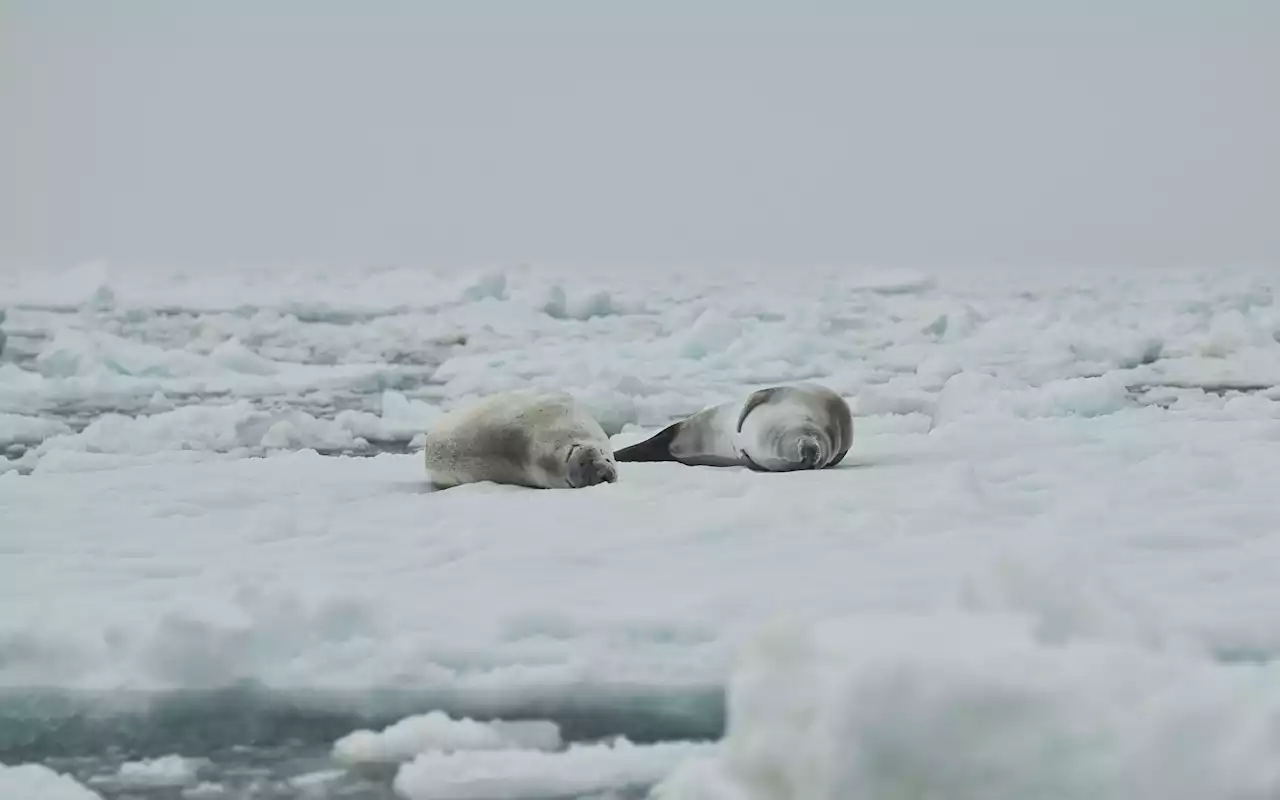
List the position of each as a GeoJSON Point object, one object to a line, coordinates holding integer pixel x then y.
{"type": "Point", "coordinates": [543, 440]}
{"type": "Point", "coordinates": [778, 429]}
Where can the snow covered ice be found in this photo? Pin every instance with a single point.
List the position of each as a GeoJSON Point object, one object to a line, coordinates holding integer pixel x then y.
{"type": "Point", "coordinates": [436, 731]}
{"type": "Point", "coordinates": [170, 770]}
{"type": "Point", "coordinates": [958, 706]}
{"type": "Point", "coordinates": [1046, 568]}
{"type": "Point", "coordinates": [35, 782]}
{"type": "Point", "coordinates": [578, 771]}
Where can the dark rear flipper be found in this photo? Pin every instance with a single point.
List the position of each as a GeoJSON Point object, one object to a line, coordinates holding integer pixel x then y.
{"type": "Point", "coordinates": [656, 448]}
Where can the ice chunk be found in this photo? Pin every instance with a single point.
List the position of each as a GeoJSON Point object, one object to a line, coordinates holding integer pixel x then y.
{"type": "Point", "coordinates": [611, 408]}
{"type": "Point", "coordinates": [316, 781]}
{"type": "Point", "coordinates": [437, 731]}
{"type": "Point", "coordinates": [74, 353]}
{"type": "Point", "coordinates": [1231, 332]}
{"type": "Point", "coordinates": [962, 707]}
{"type": "Point", "coordinates": [402, 419]}
{"type": "Point", "coordinates": [971, 394]}
{"type": "Point", "coordinates": [37, 782]}
{"type": "Point", "coordinates": [20, 429]}
{"type": "Point", "coordinates": [711, 333]}
{"type": "Point", "coordinates": [235, 357]}
{"type": "Point", "coordinates": [225, 428]}
{"type": "Point", "coordinates": [170, 770]}
{"type": "Point", "coordinates": [485, 285]}
{"type": "Point", "coordinates": [579, 770]}
{"type": "Point", "coordinates": [581, 306]}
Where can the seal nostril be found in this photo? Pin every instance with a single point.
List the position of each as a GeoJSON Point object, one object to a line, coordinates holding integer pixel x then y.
{"type": "Point", "coordinates": [597, 473]}
{"type": "Point", "coordinates": [809, 453]}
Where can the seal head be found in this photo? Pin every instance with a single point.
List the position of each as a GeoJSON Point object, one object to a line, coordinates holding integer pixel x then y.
{"type": "Point", "coordinates": [543, 440]}
{"type": "Point", "coordinates": [588, 465]}
{"type": "Point", "coordinates": [787, 428]}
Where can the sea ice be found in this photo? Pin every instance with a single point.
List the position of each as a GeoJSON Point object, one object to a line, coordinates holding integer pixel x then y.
{"type": "Point", "coordinates": [36, 782]}
{"type": "Point", "coordinates": [1092, 454]}
{"type": "Point", "coordinates": [437, 731]}
{"type": "Point", "coordinates": [579, 770]}
{"type": "Point", "coordinates": [965, 706]}
{"type": "Point", "coordinates": [170, 770]}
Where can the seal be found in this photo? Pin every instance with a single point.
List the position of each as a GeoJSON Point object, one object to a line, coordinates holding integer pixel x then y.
{"type": "Point", "coordinates": [777, 429]}
{"type": "Point", "coordinates": [543, 440]}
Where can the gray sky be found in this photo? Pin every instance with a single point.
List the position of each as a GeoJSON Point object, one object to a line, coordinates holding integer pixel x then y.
{"type": "Point", "coordinates": [607, 134]}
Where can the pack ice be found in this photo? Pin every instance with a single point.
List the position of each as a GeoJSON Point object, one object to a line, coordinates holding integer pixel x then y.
{"type": "Point", "coordinates": [1046, 569]}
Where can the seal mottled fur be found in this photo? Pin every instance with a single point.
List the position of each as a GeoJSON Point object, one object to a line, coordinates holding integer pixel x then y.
{"type": "Point", "coordinates": [543, 440]}
{"type": "Point", "coordinates": [776, 429]}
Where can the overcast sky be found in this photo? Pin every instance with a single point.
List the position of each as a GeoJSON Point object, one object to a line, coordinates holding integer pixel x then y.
{"type": "Point", "coordinates": [608, 134]}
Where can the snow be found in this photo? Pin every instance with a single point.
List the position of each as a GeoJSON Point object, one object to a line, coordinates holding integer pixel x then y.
{"type": "Point", "coordinates": [36, 782]}
{"type": "Point", "coordinates": [437, 731]}
{"type": "Point", "coordinates": [578, 770]}
{"type": "Point", "coordinates": [1062, 486]}
{"type": "Point", "coordinates": [237, 428]}
{"type": "Point", "coordinates": [958, 706]}
{"type": "Point", "coordinates": [19, 429]}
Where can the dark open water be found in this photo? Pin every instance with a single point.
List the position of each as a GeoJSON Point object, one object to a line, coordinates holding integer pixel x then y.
{"type": "Point", "coordinates": [255, 745]}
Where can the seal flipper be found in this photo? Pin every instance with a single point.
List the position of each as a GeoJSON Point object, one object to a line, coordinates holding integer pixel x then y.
{"type": "Point", "coordinates": [756, 398]}
{"type": "Point", "coordinates": [702, 440]}
{"type": "Point", "coordinates": [656, 448]}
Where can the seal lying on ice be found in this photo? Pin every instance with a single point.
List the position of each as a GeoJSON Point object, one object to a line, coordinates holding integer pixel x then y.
{"type": "Point", "coordinates": [542, 440]}
{"type": "Point", "coordinates": [778, 429]}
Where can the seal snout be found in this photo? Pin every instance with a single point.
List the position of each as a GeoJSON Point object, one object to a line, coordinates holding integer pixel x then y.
{"type": "Point", "coordinates": [604, 472]}
{"type": "Point", "coordinates": [810, 453]}
{"type": "Point", "coordinates": [589, 468]}
{"type": "Point", "coordinates": [596, 472]}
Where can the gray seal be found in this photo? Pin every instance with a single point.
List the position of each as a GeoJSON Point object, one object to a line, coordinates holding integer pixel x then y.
{"type": "Point", "coordinates": [543, 440]}
{"type": "Point", "coordinates": [777, 429]}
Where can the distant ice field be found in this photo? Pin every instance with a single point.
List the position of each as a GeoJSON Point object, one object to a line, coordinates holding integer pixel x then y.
{"type": "Point", "coordinates": [1049, 555]}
